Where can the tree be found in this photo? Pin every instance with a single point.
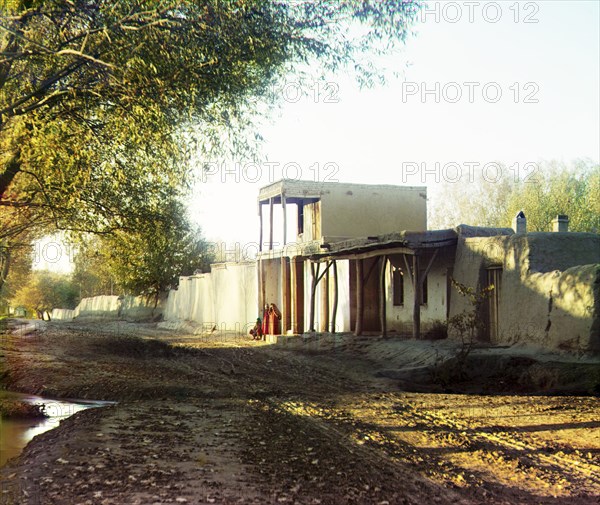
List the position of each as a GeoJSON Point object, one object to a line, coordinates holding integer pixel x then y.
{"type": "Point", "coordinates": [560, 189]}
{"type": "Point", "coordinates": [15, 268]}
{"type": "Point", "coordinates": [104, 103]}
{"type": "Point", "coordinates": [150, 260]}
{"type": "Point", "coordinates": [91, 272]}
{"type": "Point", "coordinates": [546, 190]}
{"type": "Point", "coordinates": [472, 200]}
{"type": "Point", "coordinates": [46, 290]}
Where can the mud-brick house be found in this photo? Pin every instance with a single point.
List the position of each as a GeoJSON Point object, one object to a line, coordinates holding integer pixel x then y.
{"type": "Point", "coordinates": [362, 260]}
{"type": "Point", "coordinates": [314, 289]}
{"type": "Point", "coordinates": [351, 269]}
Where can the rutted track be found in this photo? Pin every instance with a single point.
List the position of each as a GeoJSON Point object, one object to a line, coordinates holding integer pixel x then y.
{"type": "Point", "coordinates": [239, 422]}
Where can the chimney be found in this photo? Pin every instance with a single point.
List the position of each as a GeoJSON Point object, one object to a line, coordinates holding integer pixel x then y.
{"type": "Point", "coordinates": [560, 223]}
{"type": "Point", "coordinates": [520, 223]}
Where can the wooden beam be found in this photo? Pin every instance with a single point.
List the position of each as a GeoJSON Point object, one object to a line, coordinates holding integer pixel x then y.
{"type": "Point", "coordinates": [417, 298]}
{"type": "Point", "coordinates": [382, 297]}
{"type": "Point", "coordinates": [378, 252]}
{"type": "Point", "coordinates": [430, 264]}
{"type": "Point", "coordinates": [313, 289]}
{"type": "Point", "coordinates": [260, 238]}
{"type": "Point", "coordinates": [284, 219]}
{"type": "Point", "coordinates": [335, 297]}
{"type": "Point", "coordinates": [315, 279]}
{"type": "Point", "coordinates": [408, 268]}
{"type": "Point", "coordinates": [297, 286]}
{"type": "Point", "coordinates": [324, 271]}
{"type": "Point", "coordinates": [325, 301]}
{"type": "Point", "coordinates": [285, 295]}
{"type": "Point", "coordinates": [270, 224]}
{"type": "Point", "coordinates": [365, 255]}
{"type": "Point", "coordinates": [359, 297]}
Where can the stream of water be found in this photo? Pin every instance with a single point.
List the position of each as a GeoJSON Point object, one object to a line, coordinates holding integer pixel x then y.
{"type": "Point", "coordinates": [15, 434]}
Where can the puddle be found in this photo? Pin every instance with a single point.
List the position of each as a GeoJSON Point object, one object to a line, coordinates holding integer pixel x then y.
{"type": "Point", "coordinates": [15, 434]}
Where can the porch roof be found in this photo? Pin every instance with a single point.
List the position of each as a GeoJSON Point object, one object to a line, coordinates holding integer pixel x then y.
{"type": "Point", "coordinates": [404, 242]}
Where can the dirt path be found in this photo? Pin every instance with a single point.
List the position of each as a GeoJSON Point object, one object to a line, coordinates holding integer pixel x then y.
{"type": "Point", "coordinates": [221, 420]}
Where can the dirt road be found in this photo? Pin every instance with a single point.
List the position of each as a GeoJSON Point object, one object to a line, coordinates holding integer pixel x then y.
{"type": "Point", "coordinates": [221, 420]}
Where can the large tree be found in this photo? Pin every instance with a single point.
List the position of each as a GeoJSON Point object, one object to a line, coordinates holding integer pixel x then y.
{"type": "Point", "coordinates": [44, 291]}
{"type": "Point", "coordinates": [542, 192]}
{"type": "Point", "coordinates": [17, 260]}
{"type": "Point", "coordinates": [559, 188]}
{"type": "Point", "coordinates": [147, 261]}
{"type": "Point", "coordinates": [103, 102]}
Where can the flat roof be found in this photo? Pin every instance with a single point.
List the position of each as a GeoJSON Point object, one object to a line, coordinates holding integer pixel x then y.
{"type": "Point", "coordinates": [295, 190]}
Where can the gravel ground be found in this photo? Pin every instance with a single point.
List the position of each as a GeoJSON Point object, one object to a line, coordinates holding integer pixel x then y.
{"type": "Point", "coordinates": [223, 419]}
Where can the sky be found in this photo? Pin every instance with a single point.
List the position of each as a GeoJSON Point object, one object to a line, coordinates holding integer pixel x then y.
{"type": "Point", "coordinates": [480, 82]}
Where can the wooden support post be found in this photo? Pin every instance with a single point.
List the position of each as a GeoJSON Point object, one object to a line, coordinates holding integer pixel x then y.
{"type": "Point", "coordinates": [429, 265]}
{"type": "Point", "coordinates": [359, 297]}
{"type": "Point", "coordinates": [382, 297]}
{"type": "Point", "coordinates": [293, 295]}
{"type": "Point", "coordinates": [325, 302]}
{"type": "Point", "coordinates": [298, 310]}
{"type": "Point", "coordinates": [285, 295]}
{"type": "Point", "coordinates": [284, 219]}
{"type": "Point", "coordinates": [260, 238]}
{"type": "Point", "coordinates": [270, 224]}
{"type": "Point", "coordinates": [335, 297]}
{"type": "Point", "coordinates": [314, 272]}
{"type": "Point", "coordinates": [408, 268]}
{"type": "Point", "coordinates": [416, 277]}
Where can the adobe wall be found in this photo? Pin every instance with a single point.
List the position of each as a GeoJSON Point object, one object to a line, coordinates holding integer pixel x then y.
{"type": "Point", "coordinates": [434, 312]}
{"type": "Point", "coordinates": [235, 299]}
{"type": "Point", "coordinates": [358, 211]}
{"type": "Point", "coordinates": [227, 298]}
{"type": "Point", "coordinates": [132, 308]}
{"type": "Point", "coordinates": [62, 314]}
{"type": "Point", "coordinates": [546, 297]}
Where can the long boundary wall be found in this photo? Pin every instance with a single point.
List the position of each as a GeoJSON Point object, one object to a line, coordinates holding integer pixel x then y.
{"type": "Point", "coordinates": [135, 308]}
{"type": "Point", "coordinates": [225, 298]}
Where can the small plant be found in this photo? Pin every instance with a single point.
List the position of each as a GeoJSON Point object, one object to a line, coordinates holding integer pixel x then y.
{"type": "Point", "coordinates": [437, 331]}
{"type": "Point", "coordinates": [467, 324]}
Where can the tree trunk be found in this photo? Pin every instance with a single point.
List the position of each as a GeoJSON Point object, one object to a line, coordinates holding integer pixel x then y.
{"type": "Point", "coordinates": [11, 169]}
{"type": "Point", "coordinates": [156, 297]}
{"type": "Point", "coordinates": [5, 265]}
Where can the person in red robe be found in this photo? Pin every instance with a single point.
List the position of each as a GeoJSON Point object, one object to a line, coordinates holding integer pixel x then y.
{"type": "Point", "coordinates": [265, 320]}
{"type": "Point", "coordinates": [274, 318]}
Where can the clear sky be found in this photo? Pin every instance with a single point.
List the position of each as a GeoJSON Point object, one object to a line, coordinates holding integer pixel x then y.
{"type": "Point", "coordinates": [480, 82]}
